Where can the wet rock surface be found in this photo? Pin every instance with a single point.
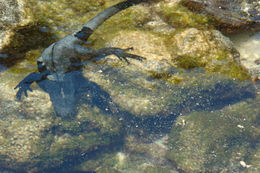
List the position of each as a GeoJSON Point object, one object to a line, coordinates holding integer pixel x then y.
{"type": "Point", "coordinates": [33, 138]}
{"type": "Point", "coordinates": [143, 96]}
{"type": "Point", "coordinates": [248, 46]}
{"type": "Point", "coordinates": [230, 16]}
{"type": "Point", "coordinates": [212, 141]}
{"type": "Point", "coordinates": [138, 155]}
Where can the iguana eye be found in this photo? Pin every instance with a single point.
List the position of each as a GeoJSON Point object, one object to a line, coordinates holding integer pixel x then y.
{"type": "Point", "coordinates": [41, 65]}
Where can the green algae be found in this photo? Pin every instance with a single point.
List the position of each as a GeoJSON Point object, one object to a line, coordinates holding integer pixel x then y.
{"type": "Point", "coordinates": [62, 22]}
{"type": "Point", "coordinates": [61, 16]}
{"type": "Point", "coordinates": [179, 16]}
{"type": "Point", "coordinates": [216, 141]}
{"type": "Point", "coordinates": [231, 69]}
{"type": "Point", "coordinates": [51, 145]}
{"type": "Point", "coordinates": [192, 48]}
{"type": "Point", "coordinates": [166, 76]}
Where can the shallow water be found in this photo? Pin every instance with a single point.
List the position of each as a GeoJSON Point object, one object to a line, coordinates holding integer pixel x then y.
{"type": "Point", "coordinates": [186, 108]}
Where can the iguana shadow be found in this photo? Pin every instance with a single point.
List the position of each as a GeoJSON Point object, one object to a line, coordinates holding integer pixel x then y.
{"type": "Point", "coordinates": [67, 95]}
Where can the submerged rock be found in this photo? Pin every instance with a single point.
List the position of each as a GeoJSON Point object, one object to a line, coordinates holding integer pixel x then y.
{"type": "Point", "coordinates": [33, 138]}
{"type": "Point", "coordinates": [144, 96]}
{"type": "Point", "coordinates": [230, 16]}
{"type": "Point", "coordinates": [157, 87]}
{"type": "Point", "coordinates": [225, 139]}
{"type": "Point", "coordinates": [136, 155]}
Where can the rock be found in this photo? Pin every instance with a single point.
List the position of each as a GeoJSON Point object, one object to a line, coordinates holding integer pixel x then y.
{"type": "Point", "coordinates": [33, 138]}
{"type": "Point", "coordinates": [248, 46]}
{"type": "Point", "coordinates": [217, 140]}
{"type": "Point", "coordinates": [13, 14]}
{"type": "Point", "coordinates": [145, 44]}
{"type": "Point", "coordinates": [175, 14]}
{"type": "Point", "coordinates": [154, 87]}
{"type": "Point", "coordinates": [230, 16]}
{"type": "Point", "coordinates": [135, 156]}
{"type": "Point", "coordinates": [210, 49]}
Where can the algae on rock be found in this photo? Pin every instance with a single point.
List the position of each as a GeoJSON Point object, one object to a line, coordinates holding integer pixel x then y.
{"type": "Point", "coordinates": [34, 139]}
{"type": "Point", "coordinates": [178, 16]}
{"type": "Point", "coordinates": [217, 140]}
{"type": "Point", "coordinates": [210, 49]}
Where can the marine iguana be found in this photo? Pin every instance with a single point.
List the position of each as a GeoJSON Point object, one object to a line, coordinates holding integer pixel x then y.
{"type": "Point", "coordinates": [63, 56]}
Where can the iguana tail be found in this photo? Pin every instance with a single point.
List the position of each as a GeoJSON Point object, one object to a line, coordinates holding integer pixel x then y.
{"type": "Point", "coordinates": [89, 27]}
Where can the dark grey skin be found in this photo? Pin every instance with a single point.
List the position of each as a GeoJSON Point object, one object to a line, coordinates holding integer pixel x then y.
{"type": "Point", "coordinates": [62, 56]}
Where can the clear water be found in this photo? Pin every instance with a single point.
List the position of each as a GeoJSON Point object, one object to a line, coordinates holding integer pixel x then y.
{"type": "Point", "coordinates": [108, 116]}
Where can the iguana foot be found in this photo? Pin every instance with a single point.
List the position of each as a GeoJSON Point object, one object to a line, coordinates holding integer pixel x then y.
{"type": "Point", "coordinates": [25, 84]}
{"type": "Point", "coordinates": [122, 55]}
{"type": "Point", "coordinates": [23, 87]}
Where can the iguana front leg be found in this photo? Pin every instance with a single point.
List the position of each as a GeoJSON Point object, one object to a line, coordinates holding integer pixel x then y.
{"type": "Point", "coordinates": [25, 84]}
{"type": "Point", "coordinates": [120, 53]}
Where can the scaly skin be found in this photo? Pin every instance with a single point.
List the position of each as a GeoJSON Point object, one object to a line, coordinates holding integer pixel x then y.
{"type": "Point", "coordinates": [63, 56]}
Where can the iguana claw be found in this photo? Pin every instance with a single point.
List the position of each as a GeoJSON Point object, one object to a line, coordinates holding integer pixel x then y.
{"type": "Point", "coordinates": [122, 55]}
